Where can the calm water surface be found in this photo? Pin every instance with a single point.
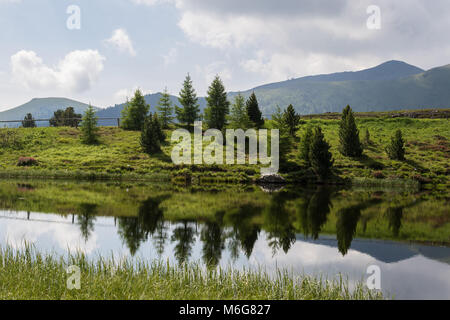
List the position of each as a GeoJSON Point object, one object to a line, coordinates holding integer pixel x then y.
{"type": "Point", "coordinates": [318, 232]}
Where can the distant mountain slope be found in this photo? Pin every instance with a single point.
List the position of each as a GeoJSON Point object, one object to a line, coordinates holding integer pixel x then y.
{"type": "Point", "coordinates": [42, 108]}
{"type": "Point", "coordinates": [368, 90]}
{"type": "Point", "coordinates": [393, 85]}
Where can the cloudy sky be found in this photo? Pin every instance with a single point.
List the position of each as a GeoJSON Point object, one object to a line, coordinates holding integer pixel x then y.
{"type": "Point", "coordinates": [121, 45]}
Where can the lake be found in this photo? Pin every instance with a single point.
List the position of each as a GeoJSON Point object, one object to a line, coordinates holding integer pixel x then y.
{"type": "Point", "coordinates": [317, 231]}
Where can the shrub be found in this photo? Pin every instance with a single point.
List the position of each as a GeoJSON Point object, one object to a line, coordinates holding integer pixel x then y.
{"type": "Point", "coordinates": [152, 135]}
{"type": "Point", "coordinates": [27, 162]}
{"type": "Point", "coordinates": [89, 129]}
{"type": "Point", "coordinates": [396, 150]}
{"type": "Point", "coordinates": [350, 144]}
{"type": "Point", "coordinates": [135, 112]}
{"type": "Point", "coordinates": [320, 155]}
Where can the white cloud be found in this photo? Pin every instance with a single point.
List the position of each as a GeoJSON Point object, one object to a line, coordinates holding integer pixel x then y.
{"type": "Point", "coordinates": [314, 36]}
{"type": "Point", "coordinates": [170, 57]}
{"type": "Point", "coordinates": [128, 93]}
{"type": "Point", "coordinates": [77, 72]}
{"type": "Point", "coordinates": [210, 71]}
{"type": "Point", "coordinates": [121, 40]}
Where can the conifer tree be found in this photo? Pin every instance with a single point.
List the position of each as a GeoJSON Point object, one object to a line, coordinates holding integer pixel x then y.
{"type": "Point", "coordinates": [89, 129]}
{"type": "Point", "coordinates": [350, 144]}
{"type": "Point", "coordinates": [305, 145]}
{"type": "Point", "coordinates": [253, 111]}
{"type": "Point", "coordinates": [152, 135]}
{"type": "Point", "coordinates": [238, 118]}
{"type": "Point", "coordinates": [218, 105]}
{"type": "Point", "coordinates": [190, 110]}
{"type": "Point", "coordinates": [320, 156]}
{"type": "Point", "coordinates": [165, 109]}
{"type": "Point", "coordinates": [396, 150]}
{"type": "Point", "coordinates": [292, 120]}
{"type": "Point", "coordinates": [28, 121]}
{"type": "Point", "coordinates": [135, 112]}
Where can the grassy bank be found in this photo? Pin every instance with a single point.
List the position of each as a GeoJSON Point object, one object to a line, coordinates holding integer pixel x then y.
{"type": "Point", "coordinates": [27, 274]}
{"type": "Point", "coordinates": [60, 154]}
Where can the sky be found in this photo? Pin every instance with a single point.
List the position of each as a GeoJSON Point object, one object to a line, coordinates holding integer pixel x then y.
{"type": "Point", "coordinates": [100, 51]}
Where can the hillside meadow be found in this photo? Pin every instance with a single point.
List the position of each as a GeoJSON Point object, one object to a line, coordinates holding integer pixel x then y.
{"type": "Point", "coordinates": [60, 153]}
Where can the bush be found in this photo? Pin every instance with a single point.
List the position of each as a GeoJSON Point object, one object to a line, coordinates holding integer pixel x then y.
{"type": "Point", "coordinates": [89, 129]}
{"type": "Point", "coordinates": [27, 162]}
{"type": "Point", "coordinates": [396, 150]}
{"type": "Point", "coordinates": [152, 135]}
{"type": "Point", "coordinates": [135, 112]}
{"type": "Point", "coordinates": [350, 144]}
{"type": "Point", "coordinates": [320, 155]}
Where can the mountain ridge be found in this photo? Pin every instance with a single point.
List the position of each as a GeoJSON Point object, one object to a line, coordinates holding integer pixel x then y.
{"type": "Point", "coordinates": [392, 85]}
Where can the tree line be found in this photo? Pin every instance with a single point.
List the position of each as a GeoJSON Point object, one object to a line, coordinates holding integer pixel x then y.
{"type": "Point", "coordinates": [220, 114]}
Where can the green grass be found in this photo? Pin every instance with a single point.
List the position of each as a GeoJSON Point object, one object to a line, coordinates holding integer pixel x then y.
{"type": "Point", "coordinates": [27, 274]}
{"type": "Point", "coordinates": [61, 154]}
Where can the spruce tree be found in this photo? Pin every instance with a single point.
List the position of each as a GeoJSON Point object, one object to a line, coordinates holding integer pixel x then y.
{"type": "Point", "coordinates": [190, 110]}
{"type": "Point", "coordinates": [218, 105]}
{"type": "Point", "coordinates": [135, 112]}
{"type": "Point", "coordinates": [152, 135]}
{"type": "Point", "coordinates": [89, 129]}
{"type": "Point", "coordinates": [292, 120]}
{"type": "Point", "coordinates": [350, 144]}
{"type": "Point", "coordinates": [320, 156]}
{"type": "Point", "coordinates": [28, 121]}
{"type": "Point", "coordinates": [165, 109]}
{"type": "Point", "coordinates": [396, 150]}
{"type": "Point", "coordinates": [305, 145]}
{"type": "Point", "coordinates": [238, 118]}
{"type": "Point", "coordinates": [253, 111]}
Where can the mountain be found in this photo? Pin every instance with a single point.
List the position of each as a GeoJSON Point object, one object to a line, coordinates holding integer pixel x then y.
{"type": "Point", "coordinates": [41, 108]}
{"type": "Point", "coordinates": [393, 85]}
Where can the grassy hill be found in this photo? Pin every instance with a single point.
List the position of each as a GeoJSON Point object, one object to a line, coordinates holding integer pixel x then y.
{"type": "Point", "coordinates": [60, 153]}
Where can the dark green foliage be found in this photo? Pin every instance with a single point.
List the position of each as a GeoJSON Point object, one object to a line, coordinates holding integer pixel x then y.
{"type": "Point", "coordinates": [65, 118]}
{"type": "Point", "coordinates": [292, 120]}
{"type": "Point", "coordinates": [165, 109]}
{"type": "Point", "coordinates": [350, 145]}
{"type": "Point", "coordinates": [253, 111]}
{"type": "Point", "coordinates": [396, 150]}
{"type": "Point", "coordinates": [285, 138]}
{"type": "Point", "coordinates": [135, 112]}
{"type": "Point", "coordinates": [305, 146]}
{"type": "Point", "coordinates": [89, 129]}
{"type": "Point", "coordinates": [28, 121]}
{"type": "Point", "coordinates": [238, 118]}
{"type": "Point", "coordinates": [190, 111]}
{"type": "Point", "coordinates": [320, 156]}
{"type": "Point", "coordinates": [152, 134]}
{"type": "Point", "coordinates": [218, 105]}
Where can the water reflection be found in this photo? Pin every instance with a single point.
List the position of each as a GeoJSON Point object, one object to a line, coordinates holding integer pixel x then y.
{"type": "Point", "coordinates": [319, 230]}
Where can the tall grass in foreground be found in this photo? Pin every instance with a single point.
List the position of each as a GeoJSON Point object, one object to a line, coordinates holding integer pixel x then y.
{"type": "Point", "coordinates": [28, 274]}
